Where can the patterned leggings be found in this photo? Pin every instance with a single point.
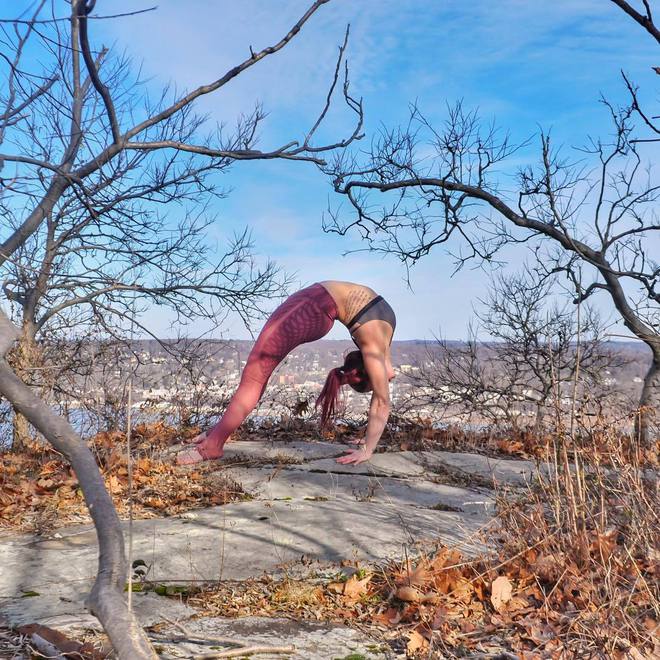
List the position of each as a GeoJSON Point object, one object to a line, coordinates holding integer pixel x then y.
{"type": "Point", "coordinates": [305, 316]}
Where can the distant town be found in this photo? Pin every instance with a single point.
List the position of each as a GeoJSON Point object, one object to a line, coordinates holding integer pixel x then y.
{"type": "Point", "coordinates": [205, 374]}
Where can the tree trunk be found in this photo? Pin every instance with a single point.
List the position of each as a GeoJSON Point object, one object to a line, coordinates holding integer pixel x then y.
{"type": "Point", "coordinates": [106, 600]}
{"type": "Point", "coordinates": [647, 421]}
{"type": "Point", "coordinates": [23, 358]}
{"type": "Point", "coordinates": [539, 419]}
{"type": "Point", "coordinates": [20, 432]}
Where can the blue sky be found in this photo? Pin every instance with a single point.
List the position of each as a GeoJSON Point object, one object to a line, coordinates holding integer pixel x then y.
{"type": "Point", "coordinates": [525, 63]}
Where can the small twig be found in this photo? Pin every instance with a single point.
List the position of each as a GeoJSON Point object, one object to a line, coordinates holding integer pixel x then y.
{"type": "Point", "coordinates": [245, 651]}
{"type": "Point", "coordinates": [192, 636]}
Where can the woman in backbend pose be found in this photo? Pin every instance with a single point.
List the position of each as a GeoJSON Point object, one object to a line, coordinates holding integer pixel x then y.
{"type": "Point", "coordinates": [307, 316]}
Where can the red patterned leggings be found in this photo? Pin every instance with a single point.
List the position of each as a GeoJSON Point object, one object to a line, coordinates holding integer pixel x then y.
{"type": "Point", "coordinates": [305, 316]}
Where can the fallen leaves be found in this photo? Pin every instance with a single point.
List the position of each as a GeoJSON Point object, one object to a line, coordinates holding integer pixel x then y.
{"type": "Point", "coordinates": [39, 491]}
{"type": "Point", "coordinates": [416, 643]}
{"type": "Point", "coordinates": [52, 643]}
{"type": "Point", "coordinates": [353, 589]}
{"type": "Point", "coordinates": [445, 601]}
{"type": "Point", "coordinates": [409, 594]}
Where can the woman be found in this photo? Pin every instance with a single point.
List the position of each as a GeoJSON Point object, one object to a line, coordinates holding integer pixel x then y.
{"type": "Point", "coordinates": [307, 316]}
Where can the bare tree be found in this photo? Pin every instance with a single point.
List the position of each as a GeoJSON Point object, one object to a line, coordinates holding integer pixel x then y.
{"type": "Point", "coordinates": [87, 157]}
{"type": "Point", "coordinates": [643, 16]}
{"type": "Point", "coordinates": [528, 362]}
{"type": "Point", "coordinates": [594, 226]}
{"type": "Point", "coordinates": [101, 242]}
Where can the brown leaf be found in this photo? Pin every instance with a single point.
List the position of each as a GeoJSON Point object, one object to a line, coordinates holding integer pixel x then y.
{"type": "Point", "coordinates": [419, 576]}
{"type": "Point", "coordinates": [549, 567]}
{"type": "Point", "coordinates": [390, 617]}
{"type": "Point", "coordinates": [467, 626]}
{"type": "Point", "coordinates": [53, 641]}
{"type": "Point", "coordinates": [517, 603]}
{"type": "Point", "coordinates": [604, 544]}
{"type": "Point", "coordinates": [415, 642]}
{"type": "Point", "coordinates": [500, 592]}
{"type": "Point", "coordinates": [44, 484]}
{"type": "Point", "coordinates": [480, 590]}
{"type": "Point", "coordinates": [155, 502]}
{"type": "Point", "coordinates": [354, 588]}
{"type": "Point", "coordinates": [114, 485]}
{"type": "Point", "coordinates": [409, 594]}
{"type": "Point", "coordinates": [463, 590]}
{"type": "Point", "coordinates": [439, 618]}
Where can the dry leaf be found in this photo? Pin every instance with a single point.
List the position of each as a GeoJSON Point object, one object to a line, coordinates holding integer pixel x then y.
{"type": "Point", "coordinates": [549, 567]}
{"type": "Point", "coordinates": [467, 626]}
{"type": "Point", "coordinates": [409, 594]}
{"type": "Point", "coordinates": [415, 642]}
{"type": "Point", "coordinates": [155, 502]}
{"type": "Point", "coordinates": [419, 576]}
{"type": "Point", "coordinates": [390, 617]}
{"type": "Point", "coordinates": [439, 618]}
{"type": "Point", "coordinates": [354, 589]}
{"type": "Point", "coordinates": [114, 486]}
{"type": "Point", "coordinates": [517, 603]}
{"type": "Point", "coordinates": [500, 592]}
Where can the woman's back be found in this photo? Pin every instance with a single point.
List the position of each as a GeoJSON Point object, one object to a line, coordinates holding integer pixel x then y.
{"type": "Point", "coordinates": [349, 297]}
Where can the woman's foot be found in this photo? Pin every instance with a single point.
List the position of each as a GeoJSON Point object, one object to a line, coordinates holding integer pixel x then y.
{"type": "Point", "coordinates": [201, 437]}
{"type": "Point", "coordinates": [196, 440]}
{"type": "Point", "coordinates": [202, 451]}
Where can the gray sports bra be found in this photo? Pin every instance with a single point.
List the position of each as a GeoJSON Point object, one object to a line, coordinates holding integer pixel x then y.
{"type": "Point", "coordinates": [376, 309]}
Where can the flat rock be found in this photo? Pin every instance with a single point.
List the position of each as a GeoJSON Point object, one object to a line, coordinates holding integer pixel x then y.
{"type": "Point", "coordinates": [67, 612]}
{"type": "Point", "coordinates": [235, 541]}
{"type": "Point", "coordinates": [279, 451]}
{"type": "Point", "coordinates": [312, 641]}
{"type": "Point", "coordinates": [495, 470]}
{"type": "Point", "coordinates": [299, 485]}
{"type": "Point", "coordinates": [309, 509]}
{"type": "Point", "coordinates": [388, 464]}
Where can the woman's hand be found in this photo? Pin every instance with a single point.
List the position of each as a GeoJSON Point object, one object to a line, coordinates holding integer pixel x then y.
{"type": "Point", "coordinates": [356, 456]}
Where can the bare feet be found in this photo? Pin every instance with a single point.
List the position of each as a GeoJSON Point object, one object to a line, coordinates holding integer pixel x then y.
{"type": "Point", "coordinates": [201, 437]}
{"type": "Point", "coordinates": [196, 440]}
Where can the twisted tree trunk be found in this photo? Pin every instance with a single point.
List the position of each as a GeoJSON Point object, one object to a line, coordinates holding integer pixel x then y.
{"type": "Point", "coordinates": [106, 600]}
{"type": "Point", "coordinates": [23, 358]}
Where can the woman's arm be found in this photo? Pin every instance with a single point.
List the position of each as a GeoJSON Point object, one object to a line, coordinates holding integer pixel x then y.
{"type": "Point", "coordinates": [375, 365]}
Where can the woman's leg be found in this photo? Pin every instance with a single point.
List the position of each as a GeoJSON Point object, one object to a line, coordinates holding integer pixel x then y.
{"type": "Point", "coordinates": [304, 317]}
{"type": "Point", "coordinates": [242, 403]}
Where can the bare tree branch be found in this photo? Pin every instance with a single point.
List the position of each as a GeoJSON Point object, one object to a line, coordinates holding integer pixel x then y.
{"type": "Point", "coordinates": [601, 220]}
{"type": "Point", "coordinates": [100, 220]}
{"type": "Point", "coordinates": [81, 9]}
{"type": "Point", "coordinates": [106, 599]}
{"type": "Point", "coordinates": [645, 20]}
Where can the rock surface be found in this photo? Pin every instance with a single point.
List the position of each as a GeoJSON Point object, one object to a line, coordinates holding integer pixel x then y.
{"type": "Point", "coordinates": [311, 641]}
{"type": "Point", "coordinates": [306, 509]}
